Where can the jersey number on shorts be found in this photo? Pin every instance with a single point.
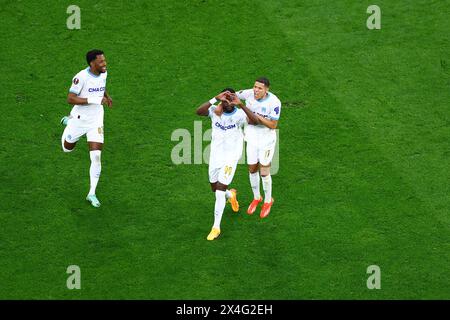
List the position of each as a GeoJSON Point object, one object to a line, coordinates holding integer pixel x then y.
{"type": "Point", "coordinates": [228, 170]}
{"type": "Point", "coordinates": [267, 153]}
{"type": "Point", "coordinates": [100, 130]}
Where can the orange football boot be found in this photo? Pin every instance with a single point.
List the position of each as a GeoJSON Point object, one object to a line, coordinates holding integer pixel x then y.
{"type": "Point", "coordinates": [266, 209]}
{"type": "Point", "coordinates": [233, 200]}
{"type": "Point", "coordinates": [253, 205]}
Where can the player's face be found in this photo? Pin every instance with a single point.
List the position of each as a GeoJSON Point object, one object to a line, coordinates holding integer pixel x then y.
{"type": "Point", "coordinates": [100, 63]}
{"type": "Point", "coordinates": [226, 106]}
{"type": "Point", "coordinates": [260, 90]}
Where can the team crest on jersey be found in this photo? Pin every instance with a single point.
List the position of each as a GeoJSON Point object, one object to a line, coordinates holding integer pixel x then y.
{"type": "Point", "coordinates": [277, 110]}
{"type": "Point", "coordinates": [76, 80]}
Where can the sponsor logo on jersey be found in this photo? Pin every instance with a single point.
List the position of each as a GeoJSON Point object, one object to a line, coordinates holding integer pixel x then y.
{"type": "Point", "coordinates": [277, 110]}
{"type": "Point", "coordinates": [262, 115]}
{"type": "Point", "coordinates": [231, 126]}
{"type": "Point", "coordinates": [96, 89]}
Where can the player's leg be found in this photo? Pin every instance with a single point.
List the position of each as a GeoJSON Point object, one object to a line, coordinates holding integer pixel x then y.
{"type": "Point", "coordinates": [95, 142]}
{"type": "Point", "coordinates": [253, 169]}
{"type": "Point", "coordinates": [230, 195]}
{"type": "Point", "coordinates": [213, 180]}
{"type": "Point", "coordinates": [265, 157]}
{"type": "Point", "coordinates": [219, 206]}
{"type": "Point", "coordinates": [70, 136]}
{"type": "Point", "coordinates": [213, 171]}
{"type": "Point", "coordinates": [224, 178]}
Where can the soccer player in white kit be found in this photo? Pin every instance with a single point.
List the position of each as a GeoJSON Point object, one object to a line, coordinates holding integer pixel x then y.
{"type": "Point", "coordinates": [227, 142]}
{"type": "Point", "coordinates": [261, 140]}
{"type": "Point", "coordinates": [87, 95]}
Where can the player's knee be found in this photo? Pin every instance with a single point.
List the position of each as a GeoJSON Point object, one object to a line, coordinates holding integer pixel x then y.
{"type": "Point", "coordinates": [253, 168]}
{"type": "Point", "coordinates": [265, 171]}
{"type": "Point", "coordinates": [66, 146]}
{"type": "Point", "coordinates": [221, 186]}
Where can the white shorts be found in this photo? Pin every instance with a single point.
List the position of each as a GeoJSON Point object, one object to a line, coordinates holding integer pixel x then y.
{"type": "Point", "coordinates": [263, 155]}
{"type": "Point", "coordinates": [77, 128]}
{"type": "Point", "coordinates": [224, 174]}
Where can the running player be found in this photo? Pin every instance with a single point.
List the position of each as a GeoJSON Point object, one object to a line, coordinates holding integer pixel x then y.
{"type": "Point", "coordinates": [87, 95]}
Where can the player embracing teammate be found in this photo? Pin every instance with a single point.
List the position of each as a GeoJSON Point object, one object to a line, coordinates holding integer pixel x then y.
{"type": "Point", "coordinates": [258, 118]}
{"type": "Point", "coordinates": [227, 141]}
{"type": "Point", "coordinates": [261, 139]}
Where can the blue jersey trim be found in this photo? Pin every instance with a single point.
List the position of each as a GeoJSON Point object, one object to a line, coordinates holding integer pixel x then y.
{"type": "Point", "coordinates": [77, 93]}
{"type": "Point", "coordinates": [272, 118]}
{"type": "Point", "coordinates": [89, 71]}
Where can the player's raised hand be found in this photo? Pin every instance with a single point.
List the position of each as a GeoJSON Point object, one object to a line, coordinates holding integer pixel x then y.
{"type": "Point", "coordinates": [222, 96]}
{"type": "Point", "coordinates": [234, 99]}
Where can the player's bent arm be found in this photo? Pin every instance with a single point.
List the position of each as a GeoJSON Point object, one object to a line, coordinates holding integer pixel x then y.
{"type": "Point", "coordinates": [73, 99]}
{"type": "Point", "coordinates": [252, 118]}
{"type": "Point", "coordinates": [203, 109]}
{"type": "Point", "coordinates": [272, 124]}
{"type": "Point", "coordinates": [108, 99]}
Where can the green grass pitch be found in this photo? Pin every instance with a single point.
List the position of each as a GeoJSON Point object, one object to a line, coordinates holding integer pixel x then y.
{"type": "Point", "coordinates": [364, 151]}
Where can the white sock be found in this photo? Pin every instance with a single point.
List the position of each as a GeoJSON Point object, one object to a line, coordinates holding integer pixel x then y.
{"type": "Point", "coordinates": [254, 182]}
{"type": "Point", "coordinates": [94, 171]}
{"type": "Point", "coordinates": [267, 186]}
{"type": "Point", "coordinates": [218, 208]}
{"type": "Point", "coordinates": [228, 194]}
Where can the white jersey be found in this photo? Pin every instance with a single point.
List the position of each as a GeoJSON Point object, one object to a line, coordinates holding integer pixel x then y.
{"type": "Point", "coordinates": [85, 84]}
{"type": "Point", "coordinates": [269, 108]}
{"type": "Point", "coordinates": [227, 137]}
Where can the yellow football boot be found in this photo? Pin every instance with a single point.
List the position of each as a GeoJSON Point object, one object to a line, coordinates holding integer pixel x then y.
{"type": "Point", "coordinates": [213, 234]}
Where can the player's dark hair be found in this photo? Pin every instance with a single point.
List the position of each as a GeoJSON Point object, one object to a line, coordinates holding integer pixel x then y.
{"type": "Point", "coordinates": [229, 89]}
{"type": "Point", "coordinates": [92, 55]}
{"type": "Point", "coordinates": [263, 80]}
